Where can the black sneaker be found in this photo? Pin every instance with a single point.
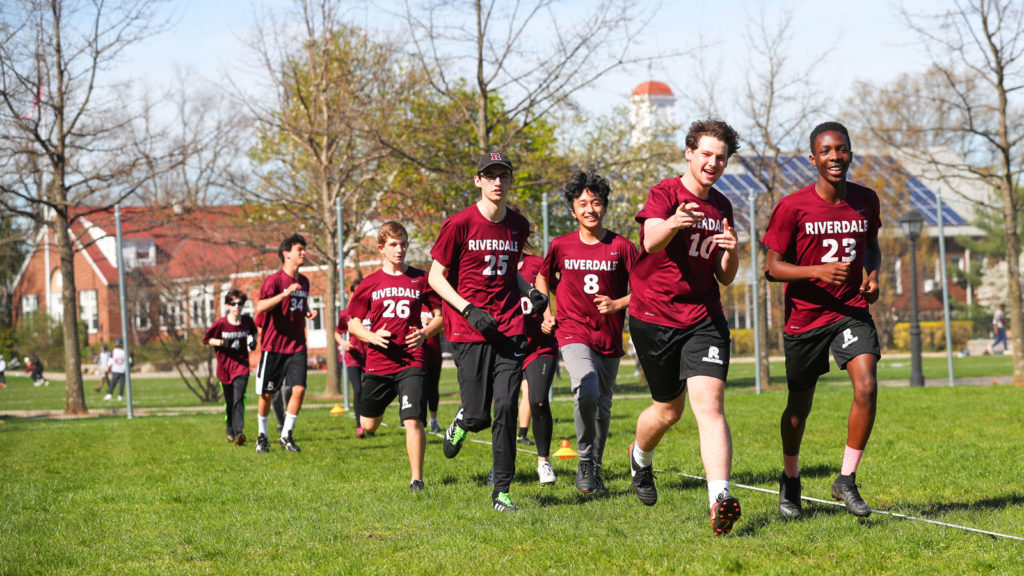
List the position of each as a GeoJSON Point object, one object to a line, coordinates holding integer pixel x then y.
{"type": "Point", "coordinates": [524, 441]}
{"type": "Point", "coordinates": [845, 488]}
{"type": "Point", "coordinates": [288, 444]}
{"type": "Point", "coordinates": [416, 486]}
{"type": "Point", "coordinates": [724, 513]}
{"type": "Point", "coordinates": [643, 480]}
{"type": "Point", "coordinates": [262, 446]}
{"type": "Point", "coordinates": [502, 503]}
{"type": "Point", "coordinates": [585, 477]}
{"type": "Point", "coordinates": [790, 505]}
{"type": "Point", "coordinates": [240, 440]}
{"type": "Point", "coordinates": [454, 436]}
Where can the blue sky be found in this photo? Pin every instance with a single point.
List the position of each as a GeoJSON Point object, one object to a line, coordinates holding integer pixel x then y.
{"type": "Point", "coordinates": [866, 38]}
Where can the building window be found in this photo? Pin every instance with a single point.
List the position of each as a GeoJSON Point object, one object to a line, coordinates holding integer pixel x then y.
{"type": "Point", "coordinates": [143, 322]}
{"type": "Point", "coordinates": [172, 316]}
{"type": "Point", "coordinates": [89, 310]}
{"type": "Point", "coordinates": [29, 304]}
{"type": "Point", "coordinates": [200, 300]}
{"type": "Point", "coordinates": [316, 303]}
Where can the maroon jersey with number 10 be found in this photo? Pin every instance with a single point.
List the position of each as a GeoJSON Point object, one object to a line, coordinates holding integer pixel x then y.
{"type": "Point", "coordinates": [578, 272]}
{"type": "Point", "coordinates": [677, 287]}
{"type": "Point", "coordinates": [807, 231]}
{"type": "Point", "coordinates": [482, 258]}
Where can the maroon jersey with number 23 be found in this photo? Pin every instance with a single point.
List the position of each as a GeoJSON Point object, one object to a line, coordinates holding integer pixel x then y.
{"type": "Point", "coordinates": [807, 231]}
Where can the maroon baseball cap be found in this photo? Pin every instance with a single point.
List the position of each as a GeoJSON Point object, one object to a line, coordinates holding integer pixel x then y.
{"type": "Point", "coordinates": [490, 159]}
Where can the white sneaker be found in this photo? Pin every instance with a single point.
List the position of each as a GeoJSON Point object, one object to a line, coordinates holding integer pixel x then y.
{"type": "Point", "coordinates": [546, 473]}
{"type": "Point", "coordinates": [37, 383]}
{"type": "Point", "coordinates": [107, 397]}
{"type": "Point", "coordinates": [119, 398]}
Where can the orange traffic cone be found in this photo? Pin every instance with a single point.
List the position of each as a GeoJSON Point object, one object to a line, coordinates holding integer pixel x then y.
{"type": "Point", "coordinates": [565, 452]}
{"type": "Point", "coordinates": [337, 410]}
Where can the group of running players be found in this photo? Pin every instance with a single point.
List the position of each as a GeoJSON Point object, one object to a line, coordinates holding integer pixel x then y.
{"type": "Point", "coordinates": [494, 304]}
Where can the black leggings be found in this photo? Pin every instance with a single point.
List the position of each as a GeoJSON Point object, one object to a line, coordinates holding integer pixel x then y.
{"type": "Point", "coordinates": [539, 375]}
{"type": "Point", "coordinates": [431, 384]}
{"type": "Point", "coordinates": [355, 377]}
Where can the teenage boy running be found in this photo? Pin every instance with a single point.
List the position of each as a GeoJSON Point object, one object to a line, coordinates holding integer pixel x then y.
{"type": "Point", "coordinates": [589, 272]}
{"type": "Point", "coordinates": [476, 272]}
{"type": "Point", "coordinates": [390, 301]}
{"type": "Point", "coordinates": [284, 302]}
{"type": "Point", "coordinates": [676, 318]}
{"type": "Point", "coordinates": [233, 337]}
{"type": "Point", "coordinates": [823, 241]}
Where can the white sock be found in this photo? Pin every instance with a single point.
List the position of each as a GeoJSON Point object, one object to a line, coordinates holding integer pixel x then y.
{"type": "Point", "coordinates": [644, 459]}
{"type": "Point", "coordinates": [289, 423]}
{"type": "Point", "coordinates": [262, 420]}
{"type": "Point", "coordinates": [716, 487]}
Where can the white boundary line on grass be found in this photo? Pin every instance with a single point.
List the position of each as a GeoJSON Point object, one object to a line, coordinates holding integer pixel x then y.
{"type": "Point", "coordinates": [818, 500]}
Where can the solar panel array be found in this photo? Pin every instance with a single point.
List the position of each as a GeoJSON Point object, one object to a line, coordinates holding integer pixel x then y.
{"type": "Point", "coordinates": [798, 172]}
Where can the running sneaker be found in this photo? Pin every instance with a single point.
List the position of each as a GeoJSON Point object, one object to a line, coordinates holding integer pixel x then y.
{"type": "Point", "coordinates": [288, 444]}
{"type": "Point", "coordinates": [585, 477]}
{"type": "Point", "coordinates": [434, 426]}
{"type": "Point", "coordinates": [262, 446]}
{"type": "Point", "coordinates": [416, 486]}
{"type": "Point", "coordinates": [454, 436]}
{"type": "Point", "coordinates": [845, 488]}
{"type": "Point", "coordinates": [524, 441]}
{"type": "Point", "coordinates": [790, 505]}
{"type": "Point", "coordinates": [598, 480]}
{"type": "Point", "coordinates": [545, 473]}
{"type": "Point", "coordinates": [502, 503]}
{"type": "Point", "coordinates": [724, 513]}
{"type": "Point", "coordinates": [240, 440]}
{"type": "Point", "coordinates": [229, 437]}
{"type": "Point", "coordinates": [360, 433]}
{"type": "Point", "coordinates": [643, 480]}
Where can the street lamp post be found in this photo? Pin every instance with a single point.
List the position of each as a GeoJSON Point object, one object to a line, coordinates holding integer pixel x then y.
{"type": "Point", "coordinates": [912, 223]}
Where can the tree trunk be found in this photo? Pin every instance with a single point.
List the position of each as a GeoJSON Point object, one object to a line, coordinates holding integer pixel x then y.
{"type": "Point", "coordinates": [74, 394]}
{"type": "Point", "coordinates": [1013, 280]}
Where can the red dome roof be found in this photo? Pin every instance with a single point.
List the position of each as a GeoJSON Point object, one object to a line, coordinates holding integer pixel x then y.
{"type": "Point", "coordinates": [652, 87]}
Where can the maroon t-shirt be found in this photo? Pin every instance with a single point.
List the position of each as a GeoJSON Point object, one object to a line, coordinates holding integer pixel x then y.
{"type": "Point", "coordinates": [577, 272]}
{"type": "Point", "coordinates": [354, 356]}
{"type": "Point", "coordinates": [537, 342]}
{"type": "Point", "coordinates": [807, 231]}
{"type": "Point", "coordinates": [482, 258]}
{"type": "Point", "coordinates": [431, 346]}
{"type": "Point", "coordinates": [232, 363]}
{"type": "Point", "coordinates": [393, 302]}
{"type": "Point", "coordinates": [284, 327]}
{"type": "Point", "coordinates": [677, 286]}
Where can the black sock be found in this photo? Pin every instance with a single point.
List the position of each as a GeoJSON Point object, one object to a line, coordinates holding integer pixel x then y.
{"type": "Point", "coordinates": [523, 430]}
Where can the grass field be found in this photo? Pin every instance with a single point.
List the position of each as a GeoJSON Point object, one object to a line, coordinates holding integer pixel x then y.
{"type": "Point", "coordinates": [167, 495]}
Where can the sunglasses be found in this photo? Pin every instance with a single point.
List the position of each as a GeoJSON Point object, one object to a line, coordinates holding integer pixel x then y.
{"type": "Point", "coordinates": [234, 303]}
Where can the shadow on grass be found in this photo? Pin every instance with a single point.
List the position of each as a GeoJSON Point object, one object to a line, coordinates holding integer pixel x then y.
{"type": "Point", "coordinates": [942, 508]}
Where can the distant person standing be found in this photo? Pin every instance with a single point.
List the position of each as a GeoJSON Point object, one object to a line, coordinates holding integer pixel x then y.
{"type": "Point", "coordinates": [999, 329]}
{"type": "Point", "coordinates": [3, 368]}
{"type": "Point", "coordinates": [35, 366]}
{"type": "Point", "coordinates": [118, 365]}
{"type": "Point", "coordinates": [284, 299]}
{"type": "Point", "coordinates": [233, 337]}
{"type": "Point", "coordinates": [103, 365]}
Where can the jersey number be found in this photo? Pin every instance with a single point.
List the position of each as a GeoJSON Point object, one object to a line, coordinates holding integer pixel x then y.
{"type": "Point", "coordinates": [496, 265]}
{"type": "Point", "coordinates": [849, 250]}
{"type": "Point", "coordinates": [590, 284]}
{"type": "Point", "coordinates": [295, 304]}
{"type": "Point", "coordinates": [704, 251]}
{"type": "Point", "coordinates": [393, 309]}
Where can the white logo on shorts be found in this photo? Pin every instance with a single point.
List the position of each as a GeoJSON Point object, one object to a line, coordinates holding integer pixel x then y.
{"type": "Point", "coordinates": [848, 338]}
{"type": "Point", "coordinates": [405, 402]}
{"type": "Point", "coordinates": [713, 355]}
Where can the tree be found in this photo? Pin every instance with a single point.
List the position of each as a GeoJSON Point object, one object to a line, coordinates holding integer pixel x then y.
{"type": "Point", "coordinates": [974, 85]}
{"type": "Point", "coordinates": [333, 85]}
{"type": "Point", "coordinates": [778, 99]}
{"type": "Point", "coordinates": [70, 141]}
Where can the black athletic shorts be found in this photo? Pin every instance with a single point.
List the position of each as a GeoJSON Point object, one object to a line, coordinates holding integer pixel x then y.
{"type": "Point", "coordinates": [276, 369]}
{"type": "Point", "coordinates": [670, 355]}
{"type": "Point", "coordinates": [378, 390]}
{"type": "Point", "coordinates": [807, 353]}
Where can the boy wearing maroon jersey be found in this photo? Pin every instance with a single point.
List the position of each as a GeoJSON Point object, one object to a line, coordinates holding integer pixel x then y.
{"type": "Point", "coordinates": [284, 302]}
{"type": "Point", "coordinates": [233, 336]}
{"type": "Point", "coordinates": [821, 240]}
{"type": "Point", "coordinates": [476, 273]}
{"type": "Point", "coordinates": [354, 352]}
{"type": "Point", "coordinates": [541, 357]}
{"type": "Point", "coordinates": [385, 314]}
{"type": "Point", "coordinates": [589, 271]}
{"type": "Point", "coordinates": [676, 321]}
